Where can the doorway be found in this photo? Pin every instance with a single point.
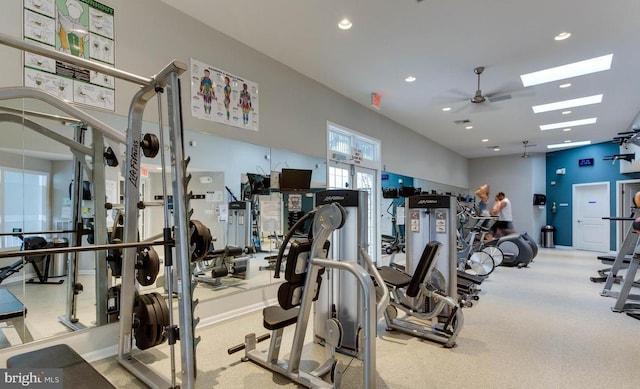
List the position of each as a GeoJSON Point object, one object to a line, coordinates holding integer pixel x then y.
{"type": "Point", "coordinates": [591, 202]}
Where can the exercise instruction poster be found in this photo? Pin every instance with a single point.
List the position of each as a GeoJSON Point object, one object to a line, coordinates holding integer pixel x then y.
{"type": "Point", "coordinates": [223, 97]}
{"type": "Point", "coordinates": [83, 28]}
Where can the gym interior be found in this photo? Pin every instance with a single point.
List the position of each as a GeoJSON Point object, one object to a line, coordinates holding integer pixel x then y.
{"type": "Point", "coordinates": [259, 228]}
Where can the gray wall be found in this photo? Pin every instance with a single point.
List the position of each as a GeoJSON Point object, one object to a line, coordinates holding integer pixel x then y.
{"type": "Point", "coordinates": [294, 109]}
{"type": "Point", "coordinates": [519, 178]}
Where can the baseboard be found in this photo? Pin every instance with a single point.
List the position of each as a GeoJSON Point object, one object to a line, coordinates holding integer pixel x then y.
{"type": "Point", "coordinates": [102, 342]}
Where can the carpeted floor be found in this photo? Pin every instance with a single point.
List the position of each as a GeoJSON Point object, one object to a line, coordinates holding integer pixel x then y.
{"type": "Point", "coordinates": [545, 326]}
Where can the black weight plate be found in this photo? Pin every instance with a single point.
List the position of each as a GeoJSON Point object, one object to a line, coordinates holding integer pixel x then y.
{"type": "Point", "coordinates": [148, 331]}
{"type": "Point", "coordinates": [145, 333]}
{"type": "Point", "coordinates": [150, 145]}
{"type": "Point", "coordinates": [162, 311]}
{"type": "Point", "coordinates": [147, 274]}
{"type": "Point", "coordinates": [200, 240]}
{"type": "Point", "coordinates": [156, 312]}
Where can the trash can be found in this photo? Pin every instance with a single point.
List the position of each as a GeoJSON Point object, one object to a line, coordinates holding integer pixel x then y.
{"type": "Point", "coordinates": [547, 236]}
{"type": "Point", "coordinates": [58, 264]}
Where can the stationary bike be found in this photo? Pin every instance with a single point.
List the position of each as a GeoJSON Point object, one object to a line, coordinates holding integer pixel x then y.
{"type": "Point", "coordinates": [473, 255]}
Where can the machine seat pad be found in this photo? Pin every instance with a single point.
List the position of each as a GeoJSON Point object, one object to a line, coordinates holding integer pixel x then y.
{"type": "Point", "coordinates": [275, 317]}
{"type": "Point", "coordinates": [394, 277]}
{"type": "Point", "coordinates": [610, 259]}
{"type": "Point", "coordinates": [10, 306]}
{"type": "Point", "coordinates": [470, 277]}
{"type": "Point", "coordinates": [76, 372]}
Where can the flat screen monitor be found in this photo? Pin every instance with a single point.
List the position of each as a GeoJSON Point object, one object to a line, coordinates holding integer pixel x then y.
{"type": "Point", "coordinates": [259, 184]}
{"type": "Point", "coordinates": [295, 180]}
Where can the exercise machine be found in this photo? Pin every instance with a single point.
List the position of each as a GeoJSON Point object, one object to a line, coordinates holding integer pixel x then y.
{"type": "Point", "coordinates": [305, 263]}
{"type": "Point", "coordinates": [340, 297]}
{"type": "Point", "coordinates": [473, 254]}
{"type": "Point", "coordinates": [239, 225]}
{"type": "Point", "coordinates": [185, 238]}
{"type": "Point", "coordinates": [230, 262]}
{"type": "Point", "coordinates": [432, 218]}
{"type": "Point", "coordinates": [410, 294]}
{"type": "Point", "coordinates": [518, 250]}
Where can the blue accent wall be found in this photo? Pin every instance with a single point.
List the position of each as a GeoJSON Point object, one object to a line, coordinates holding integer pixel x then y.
{"type": "Point", "coordinates": [561, 192]}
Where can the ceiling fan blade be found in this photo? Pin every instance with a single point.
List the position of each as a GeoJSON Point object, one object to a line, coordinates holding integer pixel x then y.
{"type": "Point", "coordinates": [495, 99]}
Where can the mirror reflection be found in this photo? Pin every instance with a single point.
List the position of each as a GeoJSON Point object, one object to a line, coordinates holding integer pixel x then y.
{"type": "Point", "coordinates": [395, 189]}
{"type": "Point", "coordinates": [38, 176]}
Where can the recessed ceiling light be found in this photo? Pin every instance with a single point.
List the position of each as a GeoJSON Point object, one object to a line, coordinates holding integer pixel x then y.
{"type": "Point", "coordinates": [496, 148]}
{"type": "Point", "coordinates": [574, 144]}
{"type": "Point", "coordinates": [579, 102]}
{"type": "Point", "coordinates": [566, 129]}
{"type": "Point", "coordinates": [468, 127]}
{"type": "Point", "coordinates": [566, 112]}
{"type": "Point", "coordinates": [345, 24]}
{"type": "Point", "coordinates": [410, 79]}
{"type": "Point", "coordinates": [575, 69]}
{"type": "Point", "coordinates": [485, 140]}
{"type": "Point", "coordinates": [446, 109]}
{"type": "Point", "coordinates": [565, 85]}
{"type": "Point", "coordinates": [572, 123]}
{"type": "Point", "coordinates": [567, 141]}
{"type": "Point", "coordinates": [562, 36]}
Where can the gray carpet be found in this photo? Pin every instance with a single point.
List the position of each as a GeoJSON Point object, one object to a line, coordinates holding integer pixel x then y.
{"type": "Point", "coordinates": [544, 327]}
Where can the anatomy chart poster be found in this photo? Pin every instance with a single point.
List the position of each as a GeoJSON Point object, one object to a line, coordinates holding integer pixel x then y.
{"type": "Point", "coordinates": [83, 28]}
{"type": "Point", "coordinates": [222, 97]}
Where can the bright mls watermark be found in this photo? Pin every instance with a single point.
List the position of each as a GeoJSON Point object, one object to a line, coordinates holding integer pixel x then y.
{"type": "Point", "coordinates": [31, 378]}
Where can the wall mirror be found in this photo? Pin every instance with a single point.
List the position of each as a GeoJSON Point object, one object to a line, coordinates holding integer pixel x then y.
{"type": "Point", "coordinates": [395, 189]}
{"type": "Point", "coordinates": [36, 172]}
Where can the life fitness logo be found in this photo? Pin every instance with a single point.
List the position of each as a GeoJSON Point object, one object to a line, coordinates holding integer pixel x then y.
{"type": "Point", "coordinates": [333, 198]}
{"type": "Point", "coordinates": [427, 201]}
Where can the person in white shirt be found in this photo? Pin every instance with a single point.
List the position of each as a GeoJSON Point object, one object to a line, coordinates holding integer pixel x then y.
{"type": "Point", "coordinates": [502, 209]}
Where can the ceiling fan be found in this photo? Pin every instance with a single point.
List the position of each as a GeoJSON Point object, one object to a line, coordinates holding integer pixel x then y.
{"type": "Point", "coordinates": [479, 97]}
{"type": "Point", "coordinates": [525, 144]}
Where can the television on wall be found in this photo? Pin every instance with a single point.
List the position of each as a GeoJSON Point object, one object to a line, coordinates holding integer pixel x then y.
{"type": "Point", "coordinates": [295, 180]}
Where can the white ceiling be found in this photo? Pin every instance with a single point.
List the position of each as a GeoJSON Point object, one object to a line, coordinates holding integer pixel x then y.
{"type": "Point", "coordinates": [440, 42]}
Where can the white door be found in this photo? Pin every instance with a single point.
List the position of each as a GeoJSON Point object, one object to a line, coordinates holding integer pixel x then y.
{"type": "Point", "coordinates": [347, 176]}
{"type": "Point", "coordinates": [366, 181]}
{"type": "Point", "coordinates": [591, 202]}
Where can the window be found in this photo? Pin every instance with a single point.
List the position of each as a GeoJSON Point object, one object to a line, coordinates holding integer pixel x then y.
{"type": "Point", "coordinates": [24, 205]}
{"type": "Point", "coordinates": [345, 146]}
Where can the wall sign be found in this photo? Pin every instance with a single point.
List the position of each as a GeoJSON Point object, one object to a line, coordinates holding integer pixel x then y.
{"type": "Point", "coordinates": [83, 28]}
{"type": "Point", "coordinates": [585, 162]}
{"type": "Point", "coordinates": [223, 97]}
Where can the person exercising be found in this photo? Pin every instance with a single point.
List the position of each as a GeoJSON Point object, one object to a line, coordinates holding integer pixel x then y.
{"type": "Point", "coordinates": [502, 209]}
{"type": "Point", "coordinates": [483, 205]}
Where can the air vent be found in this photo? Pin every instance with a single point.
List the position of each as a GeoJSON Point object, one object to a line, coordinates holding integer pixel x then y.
{"type": "Point", "coordinates": [465, 121]}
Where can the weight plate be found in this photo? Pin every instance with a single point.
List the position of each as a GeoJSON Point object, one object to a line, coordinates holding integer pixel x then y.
{"type": "Point", "coordinates": [200, 240]}
{"type": "Point", "coordinates": [150, 145]}
{"type": "Point", "coordinates": [156, 318]}
{"type": "Point", "coordinates": [148, 272]}
{"type": "Point", "coordinates": [163, 311]}
{"type": "Point", "coordinates": [145, 333]}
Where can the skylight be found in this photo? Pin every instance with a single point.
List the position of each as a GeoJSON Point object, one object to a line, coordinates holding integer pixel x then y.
{"type": "Point", "coordinates": [575, 69]}
{"type": "Point", "coordinates": [572, 144]}
{"type": "Point", "coordinates": [572, 123]}
{"type": "Point", "coordinates": [595, 99]}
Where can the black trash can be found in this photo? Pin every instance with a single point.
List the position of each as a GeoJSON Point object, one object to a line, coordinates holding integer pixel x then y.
{"type": "Point", "coordinates": [547, 236]}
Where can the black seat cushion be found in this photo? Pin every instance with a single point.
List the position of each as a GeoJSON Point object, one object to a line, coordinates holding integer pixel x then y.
{"type": "Point", "coordinates": [76, 372]}
{"type": "Point", "coordinates": [394, 277]}
{"type": "Point", "coordinates": [10, 306]}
